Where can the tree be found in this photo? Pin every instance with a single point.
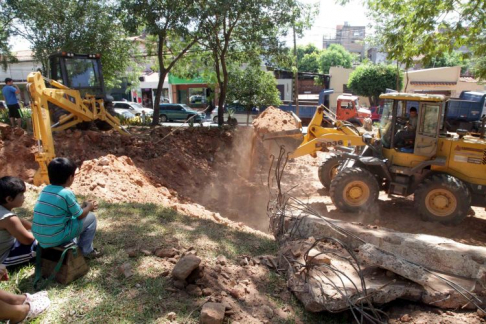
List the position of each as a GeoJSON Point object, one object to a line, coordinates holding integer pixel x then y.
{"type": "Point", "coordinates": [309, 63]}
{"type": "Point", "coordinates": [176, 26]}
{"type": "Point", "coordinates": [307, 49]}
{"type": "Point", "coordinates": [450, 59]}
{"type": "Point", "coordinates": [407, 29]}
{"type": "Point", "coordinates": [335, 55]}
{"type": "Point", "coordinates": [240, 30]}
{"type": "Point", "coordinates": [253, 87]}
{"type": "Point", "coordinates": [371, 80]}
{"type": "Point", "coordinates": [81, 26]}
{"type": "Point", "coordinates": [5, 21]}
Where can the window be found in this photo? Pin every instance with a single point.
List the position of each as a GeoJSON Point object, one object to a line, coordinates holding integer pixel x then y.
{"type": "Point", "coordinates": [82, 73]}
{"type": "Point", "coordinates": [122, 106]}
{"type": "Point", "coordinates": [430, 117]}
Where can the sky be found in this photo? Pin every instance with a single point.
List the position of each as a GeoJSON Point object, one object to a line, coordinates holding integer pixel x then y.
{"type": "Point", "coordinates": [330, 15]}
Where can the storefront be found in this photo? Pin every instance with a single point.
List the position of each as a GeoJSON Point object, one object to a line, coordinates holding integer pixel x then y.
{"type": "Point", "coordinates": [145, 95]}
{"type": "Point", "coordinates": [191, 92]}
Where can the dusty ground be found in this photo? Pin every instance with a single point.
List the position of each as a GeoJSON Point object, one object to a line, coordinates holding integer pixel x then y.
{"type": "Point", "coordinates": [209, 173]}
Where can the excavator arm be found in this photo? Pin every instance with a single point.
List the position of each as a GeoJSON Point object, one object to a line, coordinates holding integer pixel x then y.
{"type": "Point", "coordinates": [80, 110]}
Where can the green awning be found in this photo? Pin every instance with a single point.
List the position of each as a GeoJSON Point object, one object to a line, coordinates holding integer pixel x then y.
{"type": "Point", "coordinates": [175, 80]}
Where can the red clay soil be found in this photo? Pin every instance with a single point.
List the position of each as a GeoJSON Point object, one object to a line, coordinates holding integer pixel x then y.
{"type": "Point", "coordinates": [274, 120]}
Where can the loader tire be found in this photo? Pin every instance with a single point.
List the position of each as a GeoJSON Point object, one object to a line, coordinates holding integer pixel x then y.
{"type": "Point", "coordinates": [443, 198]}
{"type": "Point", "coordinates": [328, 169]}
{"type": "Point", "coordinates": [354, 189]}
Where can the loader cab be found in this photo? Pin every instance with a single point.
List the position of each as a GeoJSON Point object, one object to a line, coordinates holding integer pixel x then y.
{"type": "Point", "coordinates": [396, 129]}
{"type": "Point", "coordinates": [79, 71]}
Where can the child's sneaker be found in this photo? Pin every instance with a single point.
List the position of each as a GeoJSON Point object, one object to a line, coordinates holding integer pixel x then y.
{"type": "Point", "coordinates": [95, 254]}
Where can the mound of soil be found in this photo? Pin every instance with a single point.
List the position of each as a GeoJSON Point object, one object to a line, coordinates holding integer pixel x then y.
{"type": "Point", "coordinates": [117, 179]}
{"type": "Point", "coordinates": [274, 120]}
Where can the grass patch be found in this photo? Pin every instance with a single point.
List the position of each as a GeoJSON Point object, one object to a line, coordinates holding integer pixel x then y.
{"type": "Point", "coordinates": [104, 295]}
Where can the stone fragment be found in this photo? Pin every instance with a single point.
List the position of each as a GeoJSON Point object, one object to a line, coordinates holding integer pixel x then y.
{"type": "Point", "coordinates": [194, 290]}
{"type": "Point", "coordinates": [165, 253]}
{"type": "Point", "coordinates": [172, 260]}
{"type": "Point", "coordinates": [165, 273]}
{"type": "Point", "coordinates": [126, 269]}
{"type": "Point", "coordinates": [316, 257]}
{"type": "Point", "coordinates": [179, 284]}
{"type": "Point", "coordinates": [207, 292]}
{"type": "Point", "coordinates": [171, 316]}
{"type": "Point", "coordinates": [132, 252]}
{"type": "Point", "coordinates": [146, 252]}
{"type": "Point", "coordinates": [405, 318]}
{"type": "Point", "coordinates": [221, 259]}
{"type": "Point", "coordinates": [212, 313]}
{"type": "Point", "coordinates": [185, 266]}
{"type": "Point", "coordinates": [267, 311]}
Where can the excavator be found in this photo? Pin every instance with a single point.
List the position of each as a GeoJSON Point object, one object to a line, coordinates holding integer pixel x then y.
{"type": "Point", "coordinates": [74, 96]}
{"type": "Point", "coordinates": [446, 172]}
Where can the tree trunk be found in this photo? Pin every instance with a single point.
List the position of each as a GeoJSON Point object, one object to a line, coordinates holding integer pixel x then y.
{"type": "Point", "coordinates": [160, 85]}
{"type": "Point", "coordinates": [296, 76]}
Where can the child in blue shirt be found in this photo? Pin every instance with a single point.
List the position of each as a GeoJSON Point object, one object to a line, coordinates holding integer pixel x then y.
{"type": "Point", "coordinates": [58, 218]}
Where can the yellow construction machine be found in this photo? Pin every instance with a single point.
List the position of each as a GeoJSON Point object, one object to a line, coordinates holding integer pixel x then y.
{"type": "Point", "coordinates": [446, 172]}
{"type": "Point", "coordinates": [75, 97]}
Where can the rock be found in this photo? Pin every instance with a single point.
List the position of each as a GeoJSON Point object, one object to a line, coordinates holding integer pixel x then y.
{"type": "Point", "coordinates": [77, 134]}
{"type": "Point", "coordinates": [450, 313]}
{"type": "Point", "coordinates": [95, 137]}
{"type": "Point", "coordinates": [212, 313]}
{"type": "Point", "coordinates": [172, 260]}
{"type": "Point", "coordinates": [221, 259]}
{"type": "Point", "coordinates": [244, 262]}
{"type": "Point", "coordinates": [165, 273]}
{"type": "Point", "coordinates": [209, 292]}
{"type": "Point", "coordinates": [405, 318]}
{"type": "Point", "coordinates": [132, 253]}
{"type": "Point", "coordinates": [104, 161]}
{"type": "Point", "coordinates": [194, 290]}
{"type": "Point", "coordinates": [225, 275]}
{"type": "Point", "coordinates": [5, 131]}
{"type": "Point", "coordinates": [481, 313]}
{"type": "Point", "coordinates": [267, 311]}
{"type": "Point", "coordinates": [217, 268]}
{"type": "Point", "coordinates": [316, 257]}
{"type": "Point", "coordinates": [237, 292]}
{"type": "Point", "coordinates": [198, 273]}
{"type": "Point", "coordinates": [146, 252]}
{"type": "Point", "coordinates": [185, 266]}
{"type": "Point", "coordinates": [165, 253]}
{"type": "Point", "coordinates": [19, 131]}
{"type": "Point", "coordinates": [126, 269]}
{"type": "Point", "coordinates": [179, 284]}
{"type": "Point", "coordinates": [171, 316]}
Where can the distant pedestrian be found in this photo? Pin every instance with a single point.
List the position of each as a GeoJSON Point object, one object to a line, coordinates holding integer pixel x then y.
{"type": "Point", "coordinates": [10, 92]}
{"type": "Point", "coordinates": [144, 118]}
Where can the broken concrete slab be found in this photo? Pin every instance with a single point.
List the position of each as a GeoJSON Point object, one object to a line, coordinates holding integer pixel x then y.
{"type": "Point", "coordinates": [437, 253]}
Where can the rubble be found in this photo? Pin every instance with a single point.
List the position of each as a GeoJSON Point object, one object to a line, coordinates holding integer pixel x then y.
{"type": "Point", "coordinates": [185, 266]}
{"type": "Point", "coordinates": [212, 313]}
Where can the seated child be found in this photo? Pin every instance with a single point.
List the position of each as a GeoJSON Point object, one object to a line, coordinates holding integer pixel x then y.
{"type": "Point", "coordinates": [17, 308]}
{"type": "Point", "coordinates": [17, 244]}
{"type": "Point", "coordinates": [58, 218]}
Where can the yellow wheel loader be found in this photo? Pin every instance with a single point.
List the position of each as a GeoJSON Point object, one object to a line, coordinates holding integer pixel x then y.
{"type": "Point", "coordinates": [76, 96]}
{"type": "Point", "coordinates": [446, 172]}
{"type": "Point", "coordinates": [319, 138]}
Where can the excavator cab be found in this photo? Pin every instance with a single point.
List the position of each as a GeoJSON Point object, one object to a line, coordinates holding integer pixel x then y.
{"type": "Point", "coordinates": [79, 71]}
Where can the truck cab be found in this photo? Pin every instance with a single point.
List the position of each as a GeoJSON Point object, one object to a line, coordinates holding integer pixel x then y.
{"type": "Point", "coordinates": [348, 109]}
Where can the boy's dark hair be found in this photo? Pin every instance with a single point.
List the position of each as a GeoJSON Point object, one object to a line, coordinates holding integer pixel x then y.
{"type": "Point", "coordinates": [59, 170]}
{"type": "Point", "coordinates": [10, 187]}
{"type": "Point", "coordinates": [413, 109]}
{"type": "Point", "coordinates": [7, 80]}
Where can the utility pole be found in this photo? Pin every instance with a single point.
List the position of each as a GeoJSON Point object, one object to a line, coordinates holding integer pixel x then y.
{"type": "Point", "coordinates": [296, 75]}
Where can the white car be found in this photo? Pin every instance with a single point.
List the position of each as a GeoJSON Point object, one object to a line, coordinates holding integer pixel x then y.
{"type": "Point", "coordinates": [133, 107]}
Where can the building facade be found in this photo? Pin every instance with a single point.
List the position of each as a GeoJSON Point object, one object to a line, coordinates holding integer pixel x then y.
{"type": "Point", "coordinates": [352, 38]}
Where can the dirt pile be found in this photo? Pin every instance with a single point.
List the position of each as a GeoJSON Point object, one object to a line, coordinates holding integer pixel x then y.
{"type": "Point", "coordinates": [274, 120]}
{"type": "Point", "coordinates": [17, 150]}
{"type": "Point", "coordinates": [117, 179]}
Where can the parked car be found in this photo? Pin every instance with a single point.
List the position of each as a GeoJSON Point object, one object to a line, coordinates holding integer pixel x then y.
{"type": "Point", "coordinates": [172, 112]}
{"type": "Point", "coordinates": [125, 114]}
{"type": "Point", "coordinates": [239, 112]}
{"type": "Point", "coordinates": [376, 112]}
{"type": "Point", "coordinates": [133, 107]}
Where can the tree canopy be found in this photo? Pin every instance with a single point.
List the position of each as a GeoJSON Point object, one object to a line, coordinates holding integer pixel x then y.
{"type": "Point", "coordinates": [371, 80]}
{"type": "Point", "coordinates": [335, 55]}
{"type": "Point", "coordinates": [253, 87]}
{"type": "Point", "coordinates": [87, 26]}
{"type": "Point", "coordinates": [407, 29]}
{"type": "Point", "coordinates": [175, 26]}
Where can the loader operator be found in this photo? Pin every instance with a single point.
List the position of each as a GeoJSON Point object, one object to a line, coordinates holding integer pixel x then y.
{"type": "Point", "coordinates": [406, 137]}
